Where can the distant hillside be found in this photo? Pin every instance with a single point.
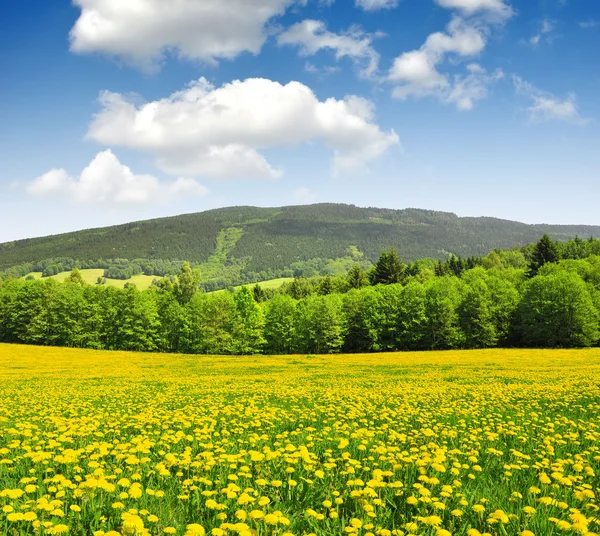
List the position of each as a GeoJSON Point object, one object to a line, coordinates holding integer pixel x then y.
{"type": "Point", "coordinates": [261, 240]}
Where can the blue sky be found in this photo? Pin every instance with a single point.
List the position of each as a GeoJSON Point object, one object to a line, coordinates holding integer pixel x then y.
{"type": "Point", "coordinates": [116, 111]}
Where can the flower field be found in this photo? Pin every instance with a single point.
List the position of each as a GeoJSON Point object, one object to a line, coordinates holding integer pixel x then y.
{"type": "Point", "coordinates": [490, 442]}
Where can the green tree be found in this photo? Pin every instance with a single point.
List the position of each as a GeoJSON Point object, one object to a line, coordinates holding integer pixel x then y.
{"type": "Point", "coordinates": [210, 324]}
{"type": "Point", "coordinates": [389, 269]}
{"type": "Point", "coordinates": [382, 312]}
{"type": "Point", "coordinates": [442, 297]}
{"type": "Point", "coordinates": [475, 311]}
{"type": "Point", "coordinates": [259, 294]}
{"type": "Point", "coordinates": [357, 277]}
{"type": "Point", "coordinates": [300, 288]}
{"type": "Point", "coordinates": [279, 329]}
{"type": "Point", "coordinates": [412, 318]}
{"type": "Point", "coordinates": [249, 323]}
{"type": "Point", "coordinates": [187, 284]}
{"type": "Point", "coordinates": [557, 311]}
{"type": "Point", "coordinates": [362, 314]}
{"type": "Point", "coordinates": [172, 318]}
{"type": "Point", "coordinates": [504, 300]}
{"type": "Point", "coordinates": [319, 325]}
{"type": "Point", "coordinates": [137, 321]}
{"type": "Point", "coordinates": [75, 277]}
{"type": "Point", "coordinates": [326, 286]}
{"type": "Point", "coordinates": [544, 251]}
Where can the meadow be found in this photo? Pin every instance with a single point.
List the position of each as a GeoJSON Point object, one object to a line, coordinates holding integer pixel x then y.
{"type": "Point", "coordinates": [141, 281]}
{"type": "Point", "coordinates": [496, 442]}
{"type": "Point", "coordinates": [90, 276]}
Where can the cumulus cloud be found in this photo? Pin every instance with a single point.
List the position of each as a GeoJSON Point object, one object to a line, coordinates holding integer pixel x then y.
{"type": "Point", "coordinates": [106, 180]}
{"type": "Point", "coordinates": [142, 31]}
{"type": "Point", "coordinates": [376, 5]}
{"type": "Point", "coordinates": [496, 9]}
{"type": "Point", "coordinates": [218, 132]}
{"type": "Point", "coordinates": [545, 32]}
{"type": "Point", "coordinates": [548, 107]}
{"type": "Point", "coordinates": [312, 36]}
{"type": "Point", "coordinates": [417, 73]}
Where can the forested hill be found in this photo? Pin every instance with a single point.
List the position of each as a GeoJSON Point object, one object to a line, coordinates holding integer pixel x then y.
{"type": "Point", "coordinates": [270, 239]}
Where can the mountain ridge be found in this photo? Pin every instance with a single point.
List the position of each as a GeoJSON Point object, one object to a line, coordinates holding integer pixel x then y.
{"type": "Point", "coordinates": [276, 237]}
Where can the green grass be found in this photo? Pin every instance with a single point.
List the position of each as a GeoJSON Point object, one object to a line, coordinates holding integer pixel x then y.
{"type": "Point", "coordinates": [271, 283]}
{"type": "Point", "coordinates": [141, 281]}
{"type": "Point", "coordinates": [274, 283]}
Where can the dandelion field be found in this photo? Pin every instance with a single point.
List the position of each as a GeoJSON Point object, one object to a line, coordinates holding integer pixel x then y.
{"type": "Point", "coordinates": [442, 443]}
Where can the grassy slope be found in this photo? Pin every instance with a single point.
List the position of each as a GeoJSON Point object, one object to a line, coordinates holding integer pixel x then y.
{"type": "Point", "coordinates": [141, 281]}
{"type": "Point", "coordinates": [271, 283]}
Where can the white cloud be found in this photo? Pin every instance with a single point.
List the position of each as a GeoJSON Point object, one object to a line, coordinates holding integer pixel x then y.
{"type": "Point", "coordinates": [546, 29]}
{"type": "Point", "coordinates": [548, 107]}
{"type": "Point", "coordinates": [466, 90]}
{"type": "Point", "coordinates": [218, 132]}
{"type": "Point", "coordinates": [496, 9]}
{"type": "Point", "coordinates": [590, 23]}
{"type": "Point", "coordinates": [142, 31]}
{"type": "Point", "coordinates": [326, 69]}
{"type": "Point", "coordinates": [106, 180]}
{"type": "Point", "coordinates": [416, 72]}
{"type": "Point", "coordinates": [376, 5]}
{"type": "Point", "coordinates": [312, 36]}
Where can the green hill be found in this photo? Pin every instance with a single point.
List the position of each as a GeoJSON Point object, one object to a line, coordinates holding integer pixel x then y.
{"type": "Point", "coordinates": [242, 243]}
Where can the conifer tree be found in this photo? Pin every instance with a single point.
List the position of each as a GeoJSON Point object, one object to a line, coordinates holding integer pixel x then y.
{"type": "Point", "coordinates": [389, 269]}
{"type": "Point", "coordinates": [357, 277]}
{"type": "Point", "coordinates": [544, 251]}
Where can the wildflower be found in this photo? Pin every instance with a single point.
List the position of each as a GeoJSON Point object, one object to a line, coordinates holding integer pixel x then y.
{"type": "Point", "coordinates": [195, 530]}
{"type": "Point", "coordinates": [59, 529]}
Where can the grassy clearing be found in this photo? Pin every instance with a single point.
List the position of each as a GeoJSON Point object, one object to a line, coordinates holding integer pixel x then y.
{"type": "Point", "coordinates": [463, 443]}
{"type": "Point", "coordinates": [91, 276]}
{"type": "Point", "coordinates": [271, 283]}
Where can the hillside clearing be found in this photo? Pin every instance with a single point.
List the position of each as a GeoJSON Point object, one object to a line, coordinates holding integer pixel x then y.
{"type": "Point", "coordinates": [90, 276]}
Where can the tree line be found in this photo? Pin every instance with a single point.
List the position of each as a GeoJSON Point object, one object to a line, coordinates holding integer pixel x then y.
{"type": "Point", "coordinates": [546, 295]}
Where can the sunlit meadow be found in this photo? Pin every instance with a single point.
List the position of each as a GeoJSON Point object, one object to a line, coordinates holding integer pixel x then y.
{"type": "Point", "coordinates": [450, 443]}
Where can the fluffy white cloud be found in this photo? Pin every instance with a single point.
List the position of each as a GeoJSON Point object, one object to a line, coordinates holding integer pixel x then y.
{"type": "Point", "coordinates": [548, 107]}
{"type": "Point", "coordinates": [546, 29]}
{"type": "Point", "coordinates": [106, 180]}
{"type": "Point", "coordinates": [142, 31]}
{"type": "Point", "coordinates": [218, 132]}
{"type": "Point", "coordinates": [376, 5]}
{"type": "Point", "coordinates": [312, 36]}
{"type": "Point", "coordinates": [416, 72]}
{"type": "Point", "coordinates": [498, 9]}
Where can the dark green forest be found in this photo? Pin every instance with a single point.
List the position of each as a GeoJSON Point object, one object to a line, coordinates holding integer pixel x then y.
{"type": "Point", "coordinates": [545, 294]}
{"type": "Point", "coordinates": [241, 245]}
